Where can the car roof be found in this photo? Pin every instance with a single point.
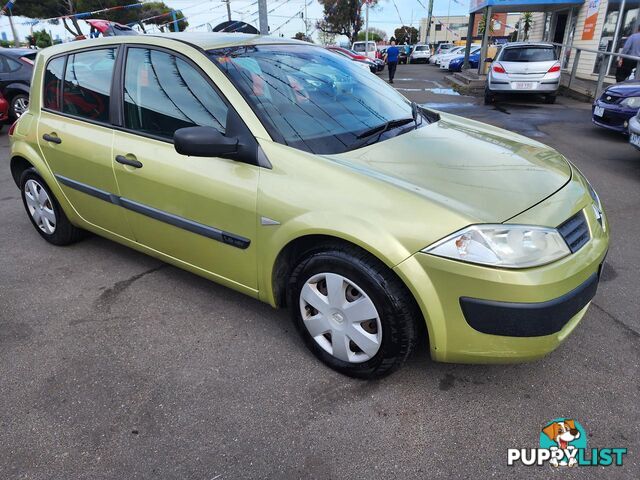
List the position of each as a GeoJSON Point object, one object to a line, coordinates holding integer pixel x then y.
{"type": "Point", "coordinates": [201, 40]}
{"type": "Point", "coordinates": [527, 44]}
{"type": "Point", "coordinates": [17, 52]}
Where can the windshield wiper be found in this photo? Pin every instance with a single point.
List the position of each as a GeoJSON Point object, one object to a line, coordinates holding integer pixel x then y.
{"type": "Point", "coordinates": [385, 127]}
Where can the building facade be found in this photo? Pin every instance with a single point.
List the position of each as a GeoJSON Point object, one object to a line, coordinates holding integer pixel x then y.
{"type": "Point", "coordinates": [453, 28]}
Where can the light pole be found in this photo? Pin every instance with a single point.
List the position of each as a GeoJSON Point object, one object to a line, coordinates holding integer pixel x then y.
{"type": "Point", "coordinates": [429, 15]}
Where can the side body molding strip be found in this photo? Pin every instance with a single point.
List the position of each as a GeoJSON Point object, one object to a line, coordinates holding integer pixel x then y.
{"type": "Point", "coordinates": [162, 216]}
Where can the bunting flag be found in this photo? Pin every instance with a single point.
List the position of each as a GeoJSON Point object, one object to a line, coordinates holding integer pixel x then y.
{"type": "Point", "coordinates": [78, 16]}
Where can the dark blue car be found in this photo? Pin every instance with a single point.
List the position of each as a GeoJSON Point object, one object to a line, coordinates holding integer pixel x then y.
{"type": "Point", "coordinates": [617, 105]}
{"type": "Point", "coordinates": [455, 65]}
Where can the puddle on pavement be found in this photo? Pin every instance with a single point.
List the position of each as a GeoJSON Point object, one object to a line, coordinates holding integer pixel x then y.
{"type": "Point", "coordinates": [443, 91]}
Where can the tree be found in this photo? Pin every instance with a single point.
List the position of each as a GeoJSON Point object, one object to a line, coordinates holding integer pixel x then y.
{"type": "Point", "coordinates": [375, 34]}
{"type": "Point", "coordinates": [303, 37]}
{"type": "Point", "coordinates": [527, 22]}
{"type": "Point", "coordinates": [483, 22]}
{"type": "Point", "coordinates": [56, 8]}
{"type": "Point", "coordinates": [406, 34]}
{"type": "Point", "coordinates": [342, 17]}
{"type": "Point", "coordinates": [40, 39]}
{"type": "Point", "coordinates": [326, 38]}
{"type": "Point", "coordinates": [155, 9]}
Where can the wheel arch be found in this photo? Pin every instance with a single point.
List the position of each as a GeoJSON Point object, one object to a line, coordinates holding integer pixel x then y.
{"type": "Point", "coordinates": [298, 248]}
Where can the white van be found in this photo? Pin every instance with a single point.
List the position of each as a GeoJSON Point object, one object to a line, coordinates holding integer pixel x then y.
{"type": "Point", "coordinates": [371, 51]}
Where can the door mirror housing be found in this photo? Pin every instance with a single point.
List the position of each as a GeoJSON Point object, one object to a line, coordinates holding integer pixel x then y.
{"type": "Point", "coordinates": [204, 142]}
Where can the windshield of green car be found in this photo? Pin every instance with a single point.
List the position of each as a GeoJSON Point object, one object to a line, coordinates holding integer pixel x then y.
{"type": "Point", "coordinates": [310, 98]}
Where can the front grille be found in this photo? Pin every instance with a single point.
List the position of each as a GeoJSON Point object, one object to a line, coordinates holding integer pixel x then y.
{"type": "Point", "coordinates": [575, 231]}
{"type": "Point", "coordinates": [608, 98]}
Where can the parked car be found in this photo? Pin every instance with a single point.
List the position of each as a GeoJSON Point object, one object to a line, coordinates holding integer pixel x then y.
{"type": "Point", "coordinates": [370, 50]}
{"type": "Point", "coordinates": [522, 67]}
{"type": "Point", "coordinates": [617, 105]}
{"type": "Point", "coordinates": [420, 54]}
{"type": "Point", "coordinates": [374, 66]}
{"type": "Point", "coordinates": [446, 58]}
{"type": "Point", "coordinates": [285, 172]}
{"type": "Point", "coordinates": [455, 64]}
{"type": "Point", "coordinates": [634, 131]}
{"type": "Point", "coordinates": [453, 51]}
{"type": "Point", "coordinates": [405, 53]}
{"type": "Point", "coordinates": [4, 109]}
{"type": "Point", "coordinates": [107, 28]}
{"type": "Point", "coordinates": [443, 48]}
{"type": "Point", "coordinates": [16, 66]}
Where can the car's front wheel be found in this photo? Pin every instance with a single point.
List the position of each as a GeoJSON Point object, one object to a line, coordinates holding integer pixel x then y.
{"type": "Point", "coordinates": [45, 212]}
{"type": "Point", "coordinates": [352, 312]}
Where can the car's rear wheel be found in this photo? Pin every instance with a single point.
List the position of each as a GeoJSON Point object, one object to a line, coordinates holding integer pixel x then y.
{"type": "Point", "coordinates": [352, 312]}
{"type": "Point", "coordinates": [488, 96]}
{"type": "Point", "coordinates": [45, 212]}
{"type": "Point", "coordinates": [19, 105]}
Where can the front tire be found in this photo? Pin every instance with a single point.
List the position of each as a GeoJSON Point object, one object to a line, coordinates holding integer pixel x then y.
{"type": "Point", "coordinates": [45, 212]}
{"type": "Point", "coordinates": [550, 99]}
{"type": "Point", "coordinates": [353, 313]}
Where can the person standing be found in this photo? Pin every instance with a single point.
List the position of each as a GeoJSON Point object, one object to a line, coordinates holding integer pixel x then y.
{"type": "Point", "coordinates": [626, 65]}
{"type": "Point", "coordinates": [393, 53]}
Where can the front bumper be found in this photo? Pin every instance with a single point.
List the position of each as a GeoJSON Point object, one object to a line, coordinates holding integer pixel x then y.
{"type": "Point", "coordinates": [614, 118]}
{"type": "Point", "coordinates": [551, 299]}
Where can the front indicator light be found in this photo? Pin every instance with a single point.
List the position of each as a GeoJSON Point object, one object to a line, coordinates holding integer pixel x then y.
{"type": "Point", "coordinates": [505, 246]}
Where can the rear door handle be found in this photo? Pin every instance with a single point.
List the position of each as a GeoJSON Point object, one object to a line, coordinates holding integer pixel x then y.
{"type": "Point", "coordinates": [128, 161]}
{"type": "Point", "coordinates": [53, 138]}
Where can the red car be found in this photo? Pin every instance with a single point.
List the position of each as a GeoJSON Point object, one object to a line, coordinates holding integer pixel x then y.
{"type": "Point", "coordinates": [374, 66]}
{"type": "Point", "coordinates": [4, 109]}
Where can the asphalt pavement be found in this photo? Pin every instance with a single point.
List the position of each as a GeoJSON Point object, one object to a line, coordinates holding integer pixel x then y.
{"type": "Point", "coordinates": [114, 365]}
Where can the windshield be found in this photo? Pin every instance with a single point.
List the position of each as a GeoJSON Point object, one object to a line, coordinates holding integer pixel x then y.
{"type": "Point", "coordinates": [309, 98]}
{"type": "Point", "coordinates": [421, 48]}
{"type": "Point", "coordinates": [529, 54]}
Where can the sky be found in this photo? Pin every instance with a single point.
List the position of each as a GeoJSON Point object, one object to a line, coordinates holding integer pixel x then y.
{"type": "Point", "coordinates": [284, 17]}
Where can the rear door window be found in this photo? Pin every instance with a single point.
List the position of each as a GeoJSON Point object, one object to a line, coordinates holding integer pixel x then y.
{"type": "Point", "coordinates": [87, 84]}
{"type": "Point", "coordinates": [529, 54]}
{"type": "Point", "coordinates": [52, 83]}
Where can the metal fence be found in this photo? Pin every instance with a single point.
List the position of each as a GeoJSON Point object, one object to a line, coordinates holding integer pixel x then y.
{"type": "Point", "coordinates": [606, 60]}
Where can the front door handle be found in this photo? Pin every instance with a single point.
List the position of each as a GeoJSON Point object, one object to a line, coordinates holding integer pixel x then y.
{"type": "Point", "coordinates": [132, 162]}
{"type": "Point", "coordinates": [53, 138]}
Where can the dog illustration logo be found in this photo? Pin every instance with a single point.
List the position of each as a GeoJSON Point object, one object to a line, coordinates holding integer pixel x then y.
{"type": "Point", "coordinates": [563, 437]}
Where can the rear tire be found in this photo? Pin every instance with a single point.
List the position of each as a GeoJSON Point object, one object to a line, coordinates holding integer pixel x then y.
{"type": "Point", "coordinates": [18, 105]}
{"type": "Point", "coordinates": [489, 98]}
{"type": "Point", "coordinates": [379, 332]}
{"type": "Point", "coordinates": [45, 212]}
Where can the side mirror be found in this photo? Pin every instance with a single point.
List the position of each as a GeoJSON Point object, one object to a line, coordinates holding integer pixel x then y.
{"type": "Point", "coordinates": [203, 142]}
{"type": "Point", "coordinates": [488, 60]}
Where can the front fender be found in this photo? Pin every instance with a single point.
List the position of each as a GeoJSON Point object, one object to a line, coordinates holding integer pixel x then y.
{"type": "Point", "coordinates": [273, 239]}
{"type": "Point", "coordinates": [16, 86]}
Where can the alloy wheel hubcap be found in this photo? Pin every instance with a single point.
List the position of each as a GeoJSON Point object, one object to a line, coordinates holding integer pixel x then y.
{"type": "Point", "coordinates": [40, 206]}
{"type": "Point", "coordinates": [20, 105]}
{"type": "Point", "coordinates": [340, 317]}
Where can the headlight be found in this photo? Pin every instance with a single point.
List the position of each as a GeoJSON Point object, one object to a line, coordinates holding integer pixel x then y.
{"type": "Point", "coordinates": [631, 102]}
{"type": "Point", "coordinates": [506, 246]}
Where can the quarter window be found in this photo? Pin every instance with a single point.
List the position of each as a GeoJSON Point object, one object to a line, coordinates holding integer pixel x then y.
{"type": "Point", "coordinates": [163, 93]}
{"type": "Point", "coordinates": [87, 84]}
{"type": "Point", "coordinates": [52, 82]}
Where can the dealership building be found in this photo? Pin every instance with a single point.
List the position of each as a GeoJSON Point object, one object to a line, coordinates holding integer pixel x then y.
{"type": "Point", "coordinates": [586, 24]}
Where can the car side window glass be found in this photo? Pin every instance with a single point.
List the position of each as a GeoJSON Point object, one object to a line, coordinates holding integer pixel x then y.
{"type": "Point", "coordinates": [52, 82]}
{"type": "Point", "coordinates": [87, 84]}
{"type": "Point", "coordinates": [163, 93]}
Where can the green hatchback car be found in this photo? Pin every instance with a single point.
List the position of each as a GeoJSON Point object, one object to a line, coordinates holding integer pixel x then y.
{"type": "Point", "coordinates": [283, 171]}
